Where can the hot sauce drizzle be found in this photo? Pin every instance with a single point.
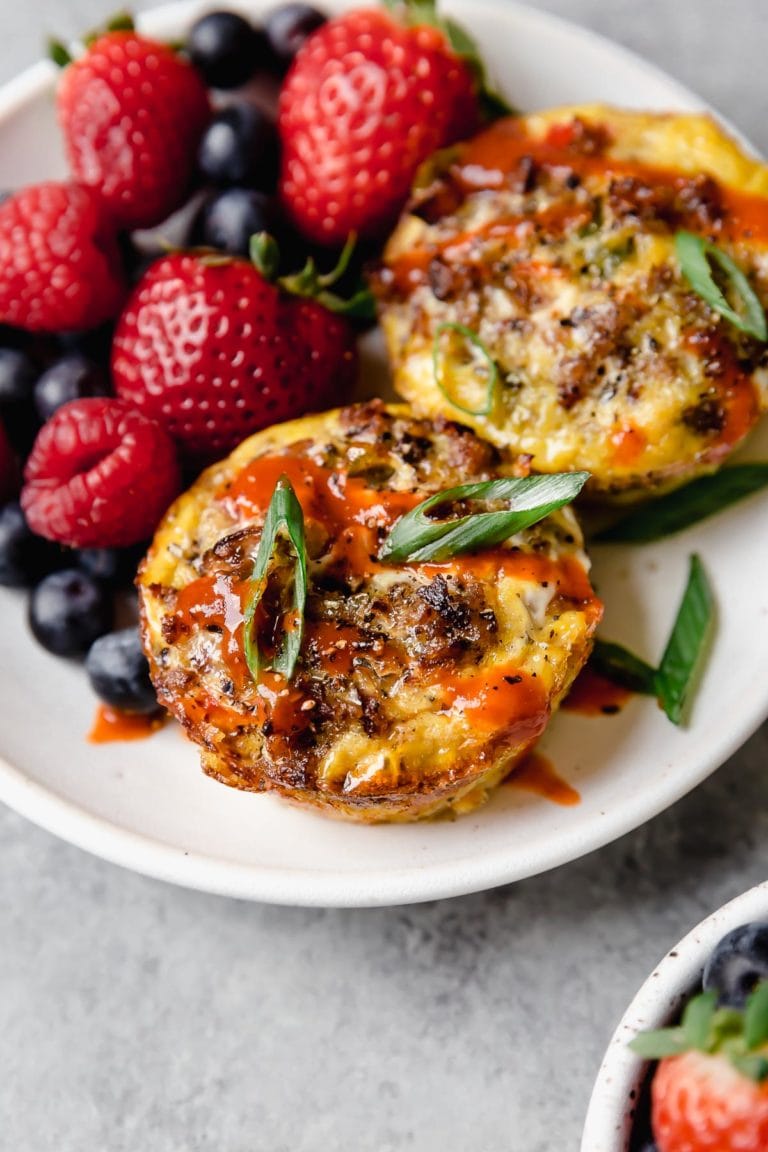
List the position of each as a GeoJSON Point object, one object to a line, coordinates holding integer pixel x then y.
{"type": "Point", "coordinates": [350, 518]}
{"type": "Point", "coordinates": [537, 774]}
{"type": "Point", "coordinates": [593, 695]}
{"type": "Point", "coordinates": [111, 724]}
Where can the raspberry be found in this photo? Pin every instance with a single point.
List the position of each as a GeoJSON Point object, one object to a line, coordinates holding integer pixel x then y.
{"type": "Point", "coordinates": [59, 261]}
{"type": "Point", "coordinates": [100, 475]}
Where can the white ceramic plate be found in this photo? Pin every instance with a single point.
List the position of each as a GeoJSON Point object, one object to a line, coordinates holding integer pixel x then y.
{"type": "Point", "coordinates": [147, 806]}
{"type": "Point", "coordinates": [608, 1126]}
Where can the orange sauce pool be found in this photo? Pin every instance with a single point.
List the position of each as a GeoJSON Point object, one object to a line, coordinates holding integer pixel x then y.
{"type": "Point", "coordinates": [537, 774]}
{"type": "Point", "coordinates": [592, 695]}
{"type": "Point", "coordinates": [111, 724]}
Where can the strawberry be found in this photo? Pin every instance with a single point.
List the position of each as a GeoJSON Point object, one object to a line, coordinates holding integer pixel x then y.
{"type": "Point", "coordinates": [132, 113]}
{"type": "Point", "coordinates": [100, 475]}
{"type": "Point", "coordinates": [366, 100]}
{"type": "Point", "coordinates": [213, 350]}
{"type": "Point", "coordinates": [701, 1103]}
{"type": "Point", "coordinates": [709, 1092]}
{"type": "Point", "coordinates": [59, 261]}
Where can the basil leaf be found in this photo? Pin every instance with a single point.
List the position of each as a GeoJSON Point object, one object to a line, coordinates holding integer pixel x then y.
{"type": "Point", "coordinates": [685, 647]}
{"type": "Point", "coordinates": [756, 1017]}
{"type": "Point", "coordinates": [622, 667]}
{"type": "Point", "coordinates": [284, 516]}
{"type": "Point", "coordinates": [696, 1021]}
{"type": "Point", "coordinates": [695, 254]}
{"type": "Point", "coordinates": [417, 537]}
{"type": "Point", "coordinates": [658, 1044]}
{"type": "Point", "coordinates": [493, 371]}
{"type": "Point", "coordinates": [687, 505]}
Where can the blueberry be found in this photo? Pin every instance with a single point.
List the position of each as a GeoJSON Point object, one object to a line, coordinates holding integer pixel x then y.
{"type": "Point", "coordinates": [738, 962]}
{"type": "Point", "coordinates": [115, 566]}
{"type": "Point", "coordinates": [68, 610]}
{"type": "Point", "coordinates": [18, 374]}
{"type": "Point", "coordinates": [240, 147]}
{"type": "Point", "coordinates": [24, 557]}
{"type": "Point", "coordinates": [287, 27]}
{"type": "Point", "coordinates": [228, 220]}
{"type": "Point", "coordinates": [226, 49]}
{"type": "Point", "coordinates": [73, 377]}
{"type": "Point", "coordinates": [119, 673]}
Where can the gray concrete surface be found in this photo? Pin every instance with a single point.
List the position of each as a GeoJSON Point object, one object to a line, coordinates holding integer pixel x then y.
{"type": "Point", "coordinates": [137, 1016]}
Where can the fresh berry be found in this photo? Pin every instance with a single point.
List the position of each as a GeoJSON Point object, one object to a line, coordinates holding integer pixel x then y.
{"type": "Point", "coordinates": [365, 102]}
{"type": "Point", "coordinates": [240, 147]}
{"type": "Point", "coordinates": [72, 377]}
{"type": "Point", "coordinates": [738, 963]}
{"type": "Point", "coordinates": [702, 1103]}
{"type": "Point", "coordinates": [68, 611]}
{"type": "Point", "coordinates": [114, 566]}
{"type": "Point", "coordinates": [226, 49]}
{"type": "Point", "coordinates": [100, 475]}
{"type": "Point", "coordinates": [287, 27]}
{"type": "Point", "coordinates": [213, 351]}
{"type": "Point", "coordinates": [24, 558]}
{"type": "Point", "coordinates": [9, 470]}
{"type": "Point", "coordinates": [709, 1092]}
{"type": "Point", "coordinates": [119, 673]}
{"type": "Point", "coordinates": [132, 112]}
{"type": "Point", "coordinates": [17, 407]}
{"type": "Point", "coordinates": [228, 221]}
{"type": "Point", "coordinates": [59, 262]}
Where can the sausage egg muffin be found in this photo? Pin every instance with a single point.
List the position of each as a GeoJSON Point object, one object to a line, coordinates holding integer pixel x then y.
{"type": "Point", "coordinates": [535, 290]}
{"type": "Point", "coordinates": [414, 685]}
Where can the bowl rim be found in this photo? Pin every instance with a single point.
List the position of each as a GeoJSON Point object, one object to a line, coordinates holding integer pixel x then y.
{"type": "Point", "coordinates": [610, 1113]}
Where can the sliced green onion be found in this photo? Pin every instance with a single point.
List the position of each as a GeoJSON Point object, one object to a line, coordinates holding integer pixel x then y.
{"type": "Point", "coordinates": [690, 634]}
{"type": "Point", "coordinates": [622, 667]}
{"type": "Point", "coordinates": [696, 255]}
{"type": "Point", "coordinates": [418, 537]}
{"type": "Point", "coordinates": [686, 506]}
{"type": "Point", "coordinates": [673, 681]}
{"type": "Point", "coordinates": [437, 367]}
{"type": "Point", "coordinates": [284, 518]}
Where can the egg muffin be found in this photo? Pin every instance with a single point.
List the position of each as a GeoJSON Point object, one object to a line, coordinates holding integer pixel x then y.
{"type": "Point", "coordinates": [533, 289]}
{"type": "Point", "coordinates": [418, 686]}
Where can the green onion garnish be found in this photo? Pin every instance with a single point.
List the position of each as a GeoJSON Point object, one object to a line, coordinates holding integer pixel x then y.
{"type": "Point", "coordinates": [685, 648]}
{"type": "Point", "coordinates": [284, 519]}
{"type": "Point", "coordinates": [673, 681]}
{"type": "Point", "coordinates": [622, 667]}
{"type": "Point", "coordinates": [474, 340]}
{"type": "Point", "coordinates": [696, 256]}
{"type": "Point", "coordinates": [688, 505]}
{"type": "Point", "coordinates": [419, 537]}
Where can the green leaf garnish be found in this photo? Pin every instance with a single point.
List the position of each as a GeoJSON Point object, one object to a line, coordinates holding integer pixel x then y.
{"type": "Point", "coordinates": [418, 537]}
{"type": "Point", "coordinates": [622, 667]}
{"type": "Point", "coordinates": [738, 1035]}
{"type": "Point", "coordinates": [492, 370]}
{"type": "Point", "coordinates": [696, 1022]}
{"type": "Point", "coordinates": [752, 1065]}
{"type": "Point", "coordinates": [673, 681]}
{"type": "Point", "coordinates": [686, 645]}
{"type": "Point", "coordinates": [59, 53]}
{"type": "Point", "coordinates": [284, 519]}
{"type": "Point", "coordinates": [756, 1017]}
{"type": "Point", "coordinates": [658, 1044]}
{"type": "Point", "coordinates": [696, 256]}
{"type": "Point", "coordinates": [688, 505]}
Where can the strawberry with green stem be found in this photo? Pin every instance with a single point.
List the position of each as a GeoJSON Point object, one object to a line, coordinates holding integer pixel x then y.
{"type": "Point", "coordinates": [709, 1092]}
